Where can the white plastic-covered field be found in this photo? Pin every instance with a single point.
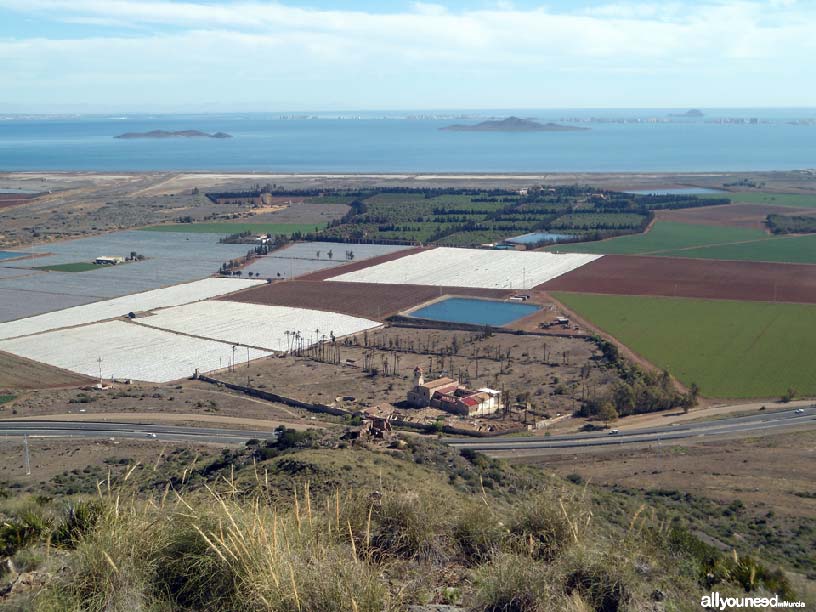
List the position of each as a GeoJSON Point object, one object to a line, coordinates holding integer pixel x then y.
{"type": "Point", "coordinates": [278, 328]}
{"type": "Point", "coordinates": [127, 351]}
{"type": "Point", "coordinates": [471, 268]}
{"type": "Point", "coordinates": [121, 306]}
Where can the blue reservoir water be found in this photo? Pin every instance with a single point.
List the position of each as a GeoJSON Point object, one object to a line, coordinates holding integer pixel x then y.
{"type": "Point", "coordinates": [9, 254]}
{"type": "Point", "coordinates": [476, 312]}
{"type": "Point", "coordinates": [621, 141]}
{"type": "Point", "coordinates": [536, 237]}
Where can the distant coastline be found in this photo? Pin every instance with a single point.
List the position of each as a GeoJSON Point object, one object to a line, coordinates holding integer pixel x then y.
{"type": "Point", "coordinates": [157, 134]}
{"type": "Point", "coordinates": [514, 124]}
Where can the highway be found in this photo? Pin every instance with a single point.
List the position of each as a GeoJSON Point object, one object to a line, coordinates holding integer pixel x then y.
{"type": "Point", "coordinates": [751, 425]}
{"type": "Point", "coordinates": [130, 431]}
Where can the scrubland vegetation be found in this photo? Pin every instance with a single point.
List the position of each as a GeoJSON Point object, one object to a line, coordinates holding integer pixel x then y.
{"type": "Point", "coordinates": [296, 525]}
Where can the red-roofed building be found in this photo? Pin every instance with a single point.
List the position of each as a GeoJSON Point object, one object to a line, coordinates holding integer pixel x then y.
{"type": "Point", "coordinates": [449, 395]}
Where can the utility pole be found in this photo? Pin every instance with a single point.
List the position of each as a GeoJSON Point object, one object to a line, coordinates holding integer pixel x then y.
{"type": "Point", "coordinates": [27, 456]}
{"type": "Point", "coordinates": [99, 361]}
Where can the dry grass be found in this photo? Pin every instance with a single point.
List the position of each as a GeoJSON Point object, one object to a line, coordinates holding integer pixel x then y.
{"type": "Point", "coordinates": [234, 544]}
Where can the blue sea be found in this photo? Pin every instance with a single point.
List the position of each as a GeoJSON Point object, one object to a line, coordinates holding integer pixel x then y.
{"type": "Point", "coordinates": [644, 140]}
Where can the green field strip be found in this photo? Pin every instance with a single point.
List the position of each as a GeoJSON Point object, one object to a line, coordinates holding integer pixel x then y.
{"type": "Point", "coordinates": [665, 236]}
{"type": "Point", "coordinates": [795, 200]}
{"type": "Point", "coordinates": [730, 349]}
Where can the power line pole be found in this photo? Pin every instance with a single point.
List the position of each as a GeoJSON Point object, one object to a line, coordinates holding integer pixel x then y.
{"type": "Point", "coordinates": [27, 456]}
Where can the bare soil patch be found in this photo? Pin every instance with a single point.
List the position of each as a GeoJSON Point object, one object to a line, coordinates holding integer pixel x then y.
{"type": "Point", "coordinates": [372, 301]}
{"type": "Point", "coordinates": [18, 373]}
{"type": "Point", "coordinates": [555, 372]}
{"type": "Point", "coordinates": [7, 200]}
{"type": "Point", "coordinates": [693, 278]}
{"type": "Point", "coordinates": [767, 471]}
{"type": "Point", "coordinates": [70, 460]}
{"type": "Point", "coordinates": [729, 215]}
{"type": "Point", "coordinates": [199, 402]}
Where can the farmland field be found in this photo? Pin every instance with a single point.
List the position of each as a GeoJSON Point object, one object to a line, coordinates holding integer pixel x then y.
{"type": "Point", "coordinates": [470, 268]}
{"type": "Point", "coordinates": [664, 237]}
{"type": "Point", "coordinates": [797, 200]}
{"type": "Point", "coordinates": [170, 259]}
{"type": "Point", "coordinates": [698, 278]}
{"type": "Point", "coordinates": [119, 307]}
{"type": "Point", "coordinates": [732, 215]}
{"type": "Point", "coordinates": [730, 349]}
{"type": "Point", "coordinates": [371, 301]}
{"type": "Point", "coordinates": [266, 327]}
{"type": "Point", "coordinates": [235, 228]}
{"type": "Point", "coordinates": [17, 304]}
{"type": "Point", "coordinates": [790, 249]}
{"type": "Point", "coordinates": [80, 266]}
{"type": "Point", "coordinates": [126, 351]}
{"type": "Point", "coordinates": [471, 218]}
{"type": "Point", "coordinates": [306, 257]}
{"type": "Point", "coordinates": [672, 239]}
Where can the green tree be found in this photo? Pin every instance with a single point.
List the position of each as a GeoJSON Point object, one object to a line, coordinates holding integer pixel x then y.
{"type": "Point", "coordinates": [607, 413]}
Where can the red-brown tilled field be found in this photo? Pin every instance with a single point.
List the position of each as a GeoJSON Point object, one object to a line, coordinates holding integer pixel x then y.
{"type": "Point", "coordinates": [730, 215]}
{"type": "Point", "coordinates": [696, 278]}
{"type": "Point", "coordinates": [359, 265]}
{"type": "Point", "coordinates": [7, 200]}
{"type": "Point", "coordinates": [373, 301]}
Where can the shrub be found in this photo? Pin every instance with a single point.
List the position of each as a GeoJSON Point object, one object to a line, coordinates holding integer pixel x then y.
{"type": "Point", "coordinates": [542, 526]}
{"type": "Point", "coordinates": [512, 583]}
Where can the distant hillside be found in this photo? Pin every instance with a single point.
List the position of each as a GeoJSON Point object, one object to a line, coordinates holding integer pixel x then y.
{"type": "Point", "coordinates": [514, 124]}
{"type": "Point", "coordinates": [167, 134]}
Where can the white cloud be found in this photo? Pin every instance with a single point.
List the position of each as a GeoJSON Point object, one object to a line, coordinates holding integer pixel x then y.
{"type": "Point", "coordinates": [401, 59]}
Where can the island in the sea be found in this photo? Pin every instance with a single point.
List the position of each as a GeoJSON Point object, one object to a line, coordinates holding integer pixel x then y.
{"type": "Point", "coordinates": [693, 113]}
{"type": "Point", "coordinates": [167, 134]}
{"type": "Point", "coordinates": [514, 124]}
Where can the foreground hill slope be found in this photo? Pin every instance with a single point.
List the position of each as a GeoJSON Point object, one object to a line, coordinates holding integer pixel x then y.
{"type": "Point", "coordinates": [310, 523]}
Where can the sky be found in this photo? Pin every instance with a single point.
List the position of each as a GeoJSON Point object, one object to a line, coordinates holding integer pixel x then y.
{"type": "Point", "coordinates": [298, 56]}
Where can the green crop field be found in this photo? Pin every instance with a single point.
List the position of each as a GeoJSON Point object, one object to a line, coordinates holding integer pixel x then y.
{"type": "Point", "coordinates": [671, 239]}
{"type": "Point", "coordinates": [235, 228]}
{"type": "Point", "coordinates": [780, 249]}
{"type": "Point", "coordinates": [81, 266]}
{"type": "Point", "coordinates": [798, 200]}
{"type": "Point", "coordinates": [730, 349]}
{"type": "Point", "coordinates": [663, 237]}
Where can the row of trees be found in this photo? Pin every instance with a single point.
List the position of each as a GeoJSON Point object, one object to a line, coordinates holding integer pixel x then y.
{"type": "Point", "coordinates": [637, 392]}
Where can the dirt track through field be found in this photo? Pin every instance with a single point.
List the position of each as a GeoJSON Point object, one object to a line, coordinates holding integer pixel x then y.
{"type": "Point", "coordinates": [372, 301]}
{"type": "Point", "coordinates": [693, 278]}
